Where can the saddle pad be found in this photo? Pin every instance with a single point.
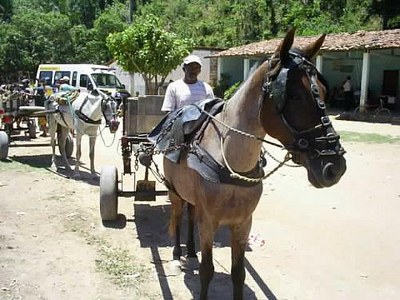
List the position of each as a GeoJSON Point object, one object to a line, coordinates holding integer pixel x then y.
{"type": "Point", "coordinates": [179, 127]}
{"type": "Point", "coordinates": [203, 163]}
{"type": "Point", "coordinates": [64, 98]}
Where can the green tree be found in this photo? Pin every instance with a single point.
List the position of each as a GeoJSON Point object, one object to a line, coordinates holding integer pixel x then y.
{"type": "Point", "coordinates": [114, 19]}
{"type": "Point", "coordinates": [5, 9]}
{"type": "Point", "coordinates": [32, 38]}
{"type": "Point", "coordinates": [147, 48]}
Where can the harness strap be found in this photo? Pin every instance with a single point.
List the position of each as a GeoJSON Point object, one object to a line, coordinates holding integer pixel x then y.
{"type": "Point", "coordinates": [210, 166]}
{"type": "Point", "coordinates": [84, 117]}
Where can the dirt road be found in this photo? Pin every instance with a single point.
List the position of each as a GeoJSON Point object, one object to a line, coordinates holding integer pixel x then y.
{"type": "Point", "coordinates": [336, 243]}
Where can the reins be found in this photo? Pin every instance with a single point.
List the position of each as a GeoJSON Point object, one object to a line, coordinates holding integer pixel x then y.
{"type": "Point", "coordinates": [241, 132]}
{"type": "Point", "coordinates": [248, 179]}
{"type": "Point", "coordinates": [251, 136]}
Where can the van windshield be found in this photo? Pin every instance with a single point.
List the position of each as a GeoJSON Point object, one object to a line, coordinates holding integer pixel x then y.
{"type": "Point", "coordinates": [103, 80]}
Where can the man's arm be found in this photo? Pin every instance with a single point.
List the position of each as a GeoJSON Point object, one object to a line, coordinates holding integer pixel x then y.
{"type": "Point", "coordinates": [209, 91]}
{"type": "Point", "coordinates": [169, 103]}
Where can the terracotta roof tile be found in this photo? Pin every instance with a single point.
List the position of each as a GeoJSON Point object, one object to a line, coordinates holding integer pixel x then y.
{"type": "Point", "coordinates": [333, 42]}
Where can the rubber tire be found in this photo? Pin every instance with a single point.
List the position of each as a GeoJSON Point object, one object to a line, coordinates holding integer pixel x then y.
{"type": "Point", "coordinates": [357, 116]}
{"type": "Point", "coordinates": [384, 115]}
{"type": "Point", "coordinates": [3, 145]}
{"type": "Point", "coordinates": [32, 128]}
{"type": "Point", "coordinates": [69, 145]}
{"type": "Point", "coordinates": [109, 193]}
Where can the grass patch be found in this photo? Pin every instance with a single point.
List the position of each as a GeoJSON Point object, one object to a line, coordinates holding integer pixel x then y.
{"type": "Point", "coordinates": [11, 165]}
{"type": "Point", "coordinates": [115, 262]}
{"type": "Point", "coordinates": [370, 138]}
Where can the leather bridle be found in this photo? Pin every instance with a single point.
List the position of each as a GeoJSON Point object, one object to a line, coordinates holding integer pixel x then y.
{"type": "Point", "coordinates": [319, 140]}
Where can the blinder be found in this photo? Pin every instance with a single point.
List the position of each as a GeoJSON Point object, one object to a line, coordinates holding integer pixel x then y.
{"type": "Point", "coordinates": [113, 124]}
{"type": "Point", "coordinates": [321, 139]}
{"type": "Point", "coordinates": [277, 87]}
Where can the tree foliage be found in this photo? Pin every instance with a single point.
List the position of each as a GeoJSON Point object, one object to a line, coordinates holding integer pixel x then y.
{"type": "Point", "coordinates": [39, 31]}
{"type": "Point", "coordinates": [147, 48]}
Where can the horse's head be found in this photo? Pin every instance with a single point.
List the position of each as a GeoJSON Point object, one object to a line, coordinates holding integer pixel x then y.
{"type": "Point", "coordinates": [109, 110]}
{"type": "Point", "coordinates": [292, 110]}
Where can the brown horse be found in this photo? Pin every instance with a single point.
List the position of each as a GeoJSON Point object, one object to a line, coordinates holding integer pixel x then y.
{"type": "Point", "coordinates": [283, 98]}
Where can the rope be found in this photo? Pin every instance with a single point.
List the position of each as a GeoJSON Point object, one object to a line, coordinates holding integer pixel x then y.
{"type": "Point", "coordinates": [102, 138]}
{"type": "Point", "coordinates": [248, 179]}
{"type": "Point", "coordinates": [252, 136]}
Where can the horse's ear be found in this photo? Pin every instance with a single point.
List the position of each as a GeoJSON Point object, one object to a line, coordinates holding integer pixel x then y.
{"type": "Point", "coordinates": [283, 50]}
{"type": "Point", "coordinates": [314, 47]}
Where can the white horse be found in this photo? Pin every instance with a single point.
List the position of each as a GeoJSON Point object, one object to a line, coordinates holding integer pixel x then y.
{"type": "Point", "coordinates": [84, 116]}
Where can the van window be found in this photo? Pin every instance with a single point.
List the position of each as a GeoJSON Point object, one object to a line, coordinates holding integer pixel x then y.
{"type": "Point", "coordinates": [104, 80]}
{"type": "Point", "coordinates": [46, 75]}
{"type": "Point", "coordinates": [74, 77]}
{"type": "Point", "coordinates": [83, 80]}
{"type": "Point", "coordinates": [61, 74]}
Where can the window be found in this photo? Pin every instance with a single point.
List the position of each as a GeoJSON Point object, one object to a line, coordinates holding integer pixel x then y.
{"type": "Point", "coordinates": [61, 74]}
{"type": "Point", "coordinates": [46, 76]}
{"type": "Point", "coordinates": [104, 80]}
{"type": "Point", "coordinates": [74, 77]}
{"type": "Point", "coordinates": [83, 80]}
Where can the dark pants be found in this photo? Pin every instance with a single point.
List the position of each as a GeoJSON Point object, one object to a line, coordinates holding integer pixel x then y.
{"type": "Point", "coordinates": [349, 100]}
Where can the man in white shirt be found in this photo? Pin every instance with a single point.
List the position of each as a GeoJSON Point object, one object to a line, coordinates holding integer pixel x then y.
{"type": "Point", "coordinates": [348, 93]}
{"type": "Point", "coordinates": [189, 89]}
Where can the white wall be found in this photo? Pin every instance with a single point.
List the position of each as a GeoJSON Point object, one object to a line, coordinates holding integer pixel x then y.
{"type": "Point", "coordinates": [135, 83]}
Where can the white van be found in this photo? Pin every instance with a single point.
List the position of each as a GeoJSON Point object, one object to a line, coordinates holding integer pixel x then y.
{"type": "Point", "coordinates": [84, 77]}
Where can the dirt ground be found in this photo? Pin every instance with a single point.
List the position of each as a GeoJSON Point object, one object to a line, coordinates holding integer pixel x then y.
{"type": "Point", "coordinates": [336, 243]}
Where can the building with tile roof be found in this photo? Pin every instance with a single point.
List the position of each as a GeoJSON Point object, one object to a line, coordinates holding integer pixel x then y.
{"type": "Point", "coordinates": [370, 58]}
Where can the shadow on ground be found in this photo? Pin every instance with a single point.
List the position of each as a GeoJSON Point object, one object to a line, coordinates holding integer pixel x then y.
{"type": "Point", "coordinates": [152, 228]}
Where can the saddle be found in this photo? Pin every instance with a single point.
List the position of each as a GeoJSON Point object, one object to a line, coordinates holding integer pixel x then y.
{"type": "Point", "coordinates": [178, 129]}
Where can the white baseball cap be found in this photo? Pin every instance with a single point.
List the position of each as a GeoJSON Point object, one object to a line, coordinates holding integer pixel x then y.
{"type": "Point", "coordinates": [192, 59]}
{"type": "Point", "coordinates": [65, 78]}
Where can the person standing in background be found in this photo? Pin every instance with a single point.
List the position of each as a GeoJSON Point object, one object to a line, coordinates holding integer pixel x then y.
{"type": "Point", "coordinates": [348, 93]}
{"type": "Point", "coordinates": [41, 93]}
{"type": "Point", "coordinates": [65, 86]}
{"type": "Point", "coordinates": [189, 89]}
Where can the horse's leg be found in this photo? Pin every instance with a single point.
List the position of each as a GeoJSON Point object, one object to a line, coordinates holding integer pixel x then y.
{"type": "Point", "coordinates": [92, 144]}
{"type": "Point", "coordinates": [206, 270]}
{"type": "Point", "coordinates": [191, 251]}
{"type": "Point", "coordinates": [78, 140]}
{"type": "Point", "coordinates": [63, 132]}
{"type": "Point", "coordinates": [239, 237]}
{"type": "Point", "coordinates": [175, 223]}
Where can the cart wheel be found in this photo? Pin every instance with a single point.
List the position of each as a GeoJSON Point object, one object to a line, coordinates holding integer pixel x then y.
{"type": "Point", "coordinates": [3, 145]}
{"type": "Point", "coordinates": [69, 146]}
{"type": "Point", "coordinates": [108, 193]}
{"type": "Point", "coordinates": [32, 128]}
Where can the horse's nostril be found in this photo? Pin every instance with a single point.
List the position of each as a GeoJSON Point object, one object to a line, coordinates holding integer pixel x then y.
{"type": "Point", "coordinates": [328, 172]}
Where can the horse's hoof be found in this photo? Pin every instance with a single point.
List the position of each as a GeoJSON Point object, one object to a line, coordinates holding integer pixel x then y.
{"type": "Point", "coordinates": [76, 175]}
{"type": "Point", "coordinates": [191, 263]}
{"type": "Point", "coordinates": [175, 268]}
